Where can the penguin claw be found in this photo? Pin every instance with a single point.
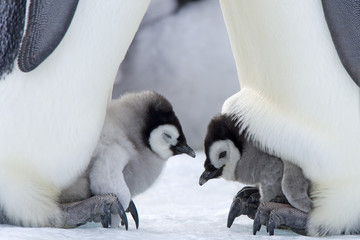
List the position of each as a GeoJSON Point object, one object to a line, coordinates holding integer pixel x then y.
{"type": "Point", "coordinates": [245, 202]}
{"type": "Point", "coordinates": [106, 218]}
{"type": "Point", "coordinates": [272, 225]}
{"type": "Point", "coordinates": [133, 211]}
{"type": "Point", "coordinates": [122, 214]}
{"type": "Point", "coordinates": [235, 211]}
{"type": "Point", "coordinates": [256, 224]}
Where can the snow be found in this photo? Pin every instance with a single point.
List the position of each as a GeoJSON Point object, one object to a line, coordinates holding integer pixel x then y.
{"type": "Point", "coordinates": [176, 207]}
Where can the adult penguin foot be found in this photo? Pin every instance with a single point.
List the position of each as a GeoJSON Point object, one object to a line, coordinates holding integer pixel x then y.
{"type": "Point", "coordinates": [95, 209]}
{"type": "Point", "coordinates": [245, 202]}
{"type": "Point", "coordinates": [279, 215]}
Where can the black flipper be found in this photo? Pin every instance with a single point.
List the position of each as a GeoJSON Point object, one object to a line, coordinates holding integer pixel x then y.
{"type": "Point", "coordinates": [47, 24]}
{"type": "Point", "coordinates": [343, 19]}
{"type": "Point", "coordinates": [12, 19]}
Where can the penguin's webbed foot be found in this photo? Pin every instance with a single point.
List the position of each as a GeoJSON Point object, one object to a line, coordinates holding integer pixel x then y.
{"type": "Point", "coordinates": [95, 209]}
{"type": "Point", "coordinates": [278, 215]}
{"type": "Point", "coordinates": [245, 202]}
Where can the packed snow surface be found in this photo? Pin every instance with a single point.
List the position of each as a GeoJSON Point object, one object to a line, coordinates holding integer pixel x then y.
{"type": "Point", "coordinates": [176, 207]}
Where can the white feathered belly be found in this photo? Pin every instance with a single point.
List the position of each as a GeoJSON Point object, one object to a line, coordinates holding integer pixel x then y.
{"type": "Point", "coordinates": [51, 118]}
{"type": "Point", "coordinates": [298, 101]}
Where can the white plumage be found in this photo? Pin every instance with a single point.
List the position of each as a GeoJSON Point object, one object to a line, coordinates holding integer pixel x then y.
{"type": "Point", "coordinates": [51, 117]}
{"type": "Point", "coordinates": [298, 101]}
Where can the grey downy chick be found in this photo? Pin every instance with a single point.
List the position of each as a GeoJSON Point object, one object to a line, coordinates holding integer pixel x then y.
{"type": "Point", "coordinates": [233, 157]}
{"type": "Point", "coordinates": [141, 131]}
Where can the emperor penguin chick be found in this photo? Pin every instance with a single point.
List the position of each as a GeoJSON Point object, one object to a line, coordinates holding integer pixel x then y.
{"type": "Point", "coordinates": [233, 157]}
{"type": "Point", "coordinates": [141, 131]}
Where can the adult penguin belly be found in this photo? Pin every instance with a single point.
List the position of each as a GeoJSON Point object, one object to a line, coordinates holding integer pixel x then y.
{"type": "Point", "coordinates": [298, 101]}
{"type": "Point", "coordinates": [52, 115]}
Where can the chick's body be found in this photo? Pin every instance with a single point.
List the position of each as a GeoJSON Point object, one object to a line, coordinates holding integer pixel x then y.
{"type": "Point", "coordinates": [229, 154]}
{"type": "Point", "coordinates": [122, 163]}
{"type": "Point", "coordinates": [140, 132]}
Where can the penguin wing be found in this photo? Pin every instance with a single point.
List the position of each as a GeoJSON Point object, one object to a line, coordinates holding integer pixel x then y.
{"type": "Point", "coordinates": [12, 18]}
{"type": "Point", "coordinates": [343, 19]}
{"type": "Point", "coordinates": [47, 23]}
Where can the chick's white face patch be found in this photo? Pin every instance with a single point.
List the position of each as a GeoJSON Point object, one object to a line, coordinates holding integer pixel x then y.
{"type": "Point", "coordinates": [225, 153]}
{"type": "Point", "coordinates": [162, 138]}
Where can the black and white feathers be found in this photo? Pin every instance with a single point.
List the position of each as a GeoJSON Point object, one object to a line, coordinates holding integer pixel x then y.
{"type": "Point", "coordinates": [52, 114]}
{"type": "Point", "coordinates": [298, 69]}
{"type": "Point", "coordinates": [233, 157]}
{"type": "Point", "coordinates": [140, 133]}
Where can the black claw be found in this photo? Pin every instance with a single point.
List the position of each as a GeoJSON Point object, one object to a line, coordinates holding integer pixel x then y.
{"type": "Point", "coordinates": [235, 211]}
{"type": "Point", "coordinates": [256, 224]}
{"type": "Point", "coordinates": [271, 226]}
{"type": "Point", "coordinates": [245, 202]}
{"type": "Point", "coordinates": [104, 222]}
{"type": "Point", "coordinates": [134, 213]}
{"type": "Point", "coordinates": [106, 219]}
{"type": "Point", "coordinates": [122, 214]}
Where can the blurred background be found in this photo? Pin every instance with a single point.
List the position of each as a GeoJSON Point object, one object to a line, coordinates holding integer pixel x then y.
{"type": "Point", "coordinates": [182, 51]}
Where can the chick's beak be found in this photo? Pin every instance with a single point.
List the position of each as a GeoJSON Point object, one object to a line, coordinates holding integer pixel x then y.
{"type": "Point", "coordinates": [184, 148]}
{"type": "Point", "coordinates": [207, 175]}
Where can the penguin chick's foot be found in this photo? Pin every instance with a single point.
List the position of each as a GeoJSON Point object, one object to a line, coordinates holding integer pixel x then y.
{"type": "Point", "coordinates": [97, 209]}
{"type": "Point", "coordinates": [245, 202]}
{"type": "Point", "coordinates": [278, 215]}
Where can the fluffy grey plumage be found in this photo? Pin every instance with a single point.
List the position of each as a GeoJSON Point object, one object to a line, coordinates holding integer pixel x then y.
{"type": "Point", "coordinates": [233, 157]}
{"type": "Point", "coordinates": [141, 131]}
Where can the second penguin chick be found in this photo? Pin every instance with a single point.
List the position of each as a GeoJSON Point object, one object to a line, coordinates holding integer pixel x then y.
{"type": "Point", "coordinates": [233, 157]}
{"type": "Point", "coordinates": [141, 131]}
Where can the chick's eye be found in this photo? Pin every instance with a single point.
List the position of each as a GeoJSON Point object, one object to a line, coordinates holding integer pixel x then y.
{"type": "Point", "coordinates": [166, 135]}
{"type": "Point", "coordinates": [222, 154]}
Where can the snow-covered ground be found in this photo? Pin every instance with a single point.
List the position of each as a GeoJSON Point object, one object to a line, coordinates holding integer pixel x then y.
{"type": "Point", "coordinates": [176, 207]}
